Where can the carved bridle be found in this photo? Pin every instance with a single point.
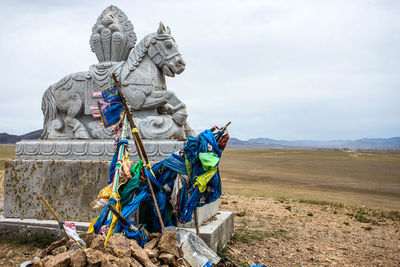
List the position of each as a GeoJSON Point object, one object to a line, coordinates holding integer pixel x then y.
{"type": "Point", "coordinates": [159, 50]}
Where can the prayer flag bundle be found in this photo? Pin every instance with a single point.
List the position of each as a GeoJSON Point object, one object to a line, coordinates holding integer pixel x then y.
{"type": "Point", "coordinates": [164, 194]}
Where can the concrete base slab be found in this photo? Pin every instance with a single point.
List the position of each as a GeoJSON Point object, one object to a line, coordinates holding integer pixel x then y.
{"type": "Point", "coordinates": [216, 232]}
{"type": "Point", "coordinates": [18, 227]}
{"type": "Point", "coordinates": [204, 213]}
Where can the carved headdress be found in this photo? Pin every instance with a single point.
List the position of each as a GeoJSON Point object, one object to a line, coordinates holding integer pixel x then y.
{"type": "Point", "coordinates": [112, 36]}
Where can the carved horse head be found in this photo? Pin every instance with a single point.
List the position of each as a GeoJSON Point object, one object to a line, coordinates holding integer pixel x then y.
{"type": "Point", "coordinates": [164, 52]}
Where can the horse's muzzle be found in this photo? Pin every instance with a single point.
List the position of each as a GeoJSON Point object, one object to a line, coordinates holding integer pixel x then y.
{"type": "Point", "coordinates": [179, 66]}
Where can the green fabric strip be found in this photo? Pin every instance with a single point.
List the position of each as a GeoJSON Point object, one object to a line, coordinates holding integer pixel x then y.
{"type": "Point", "coordinates": [132, 184]}
{"type": "Point", "coordinates": [209, 160]}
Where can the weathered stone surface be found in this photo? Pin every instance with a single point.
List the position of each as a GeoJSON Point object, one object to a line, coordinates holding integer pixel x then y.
{"type": "Point", "coordinates": [217, 232]}
{"type": "Point", "coordinates": [139, 254]}
{"type": "Point", "coordinates": [94, 257]}
{"type": "Point", "coordinates": [150, 253]}
{"type": "Point", "coordinates": [37, 262]}
{"type": "Point", "coordinates": [70, 243]}
{"type": "Point", "coordinates": [74, 246]}
{"type": "Point", "coordinates": [109, 260]}
{"type": "Point", "coordinates": [119, 246]}
{"type": "Point", "coordinates": [100, 41]}
{"type": "Point", "coordinates": [181, 263]}
{"type": "Point", "coordinates": [57, 181]}
{"type": "Point", "coordinates": [152, 243]}
{"type": "Point", "coordinates": [54, 245]}
{"type": "Point", "coordinates": [204, 213]}
{"type": "Point", "coordinates": [78, 258]}
{"type": "Point", "coordinates": [141, 70]}
{"type": "Point", "coordinates": [88, 238]}
{"type": "Point", "coordinates": [90, 149]}
{"type": "Point", "coordinates": [153, 235]}
{"type": "Point", "coordinates": [115, 262]}
{"type": "Point", "coordinates": [155, 262]}
{"type": "Point", "coordinates": [60, 260]}
{"type": "Point", "coordinates": [166, 258]}
{"type": "Point", "coordinates": [169, 243]}
{"type": "Point", "coordinates": [59, 250]}
{"type": "Point", "coordinates": [134, 263]}
{"type": "Point", "coordinates": [98, 243]}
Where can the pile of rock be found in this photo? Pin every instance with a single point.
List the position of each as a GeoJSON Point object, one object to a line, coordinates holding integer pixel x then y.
{"type": "Point", "coordinates": [120, 251]}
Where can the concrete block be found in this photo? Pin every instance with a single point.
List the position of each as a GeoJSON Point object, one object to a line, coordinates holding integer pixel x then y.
{"type": "Point", "coordinates": [203, 214]}
{"type": "Point", "coordinates": [217, 232]}
{"type": "Point", "coordinates": [69, 186]}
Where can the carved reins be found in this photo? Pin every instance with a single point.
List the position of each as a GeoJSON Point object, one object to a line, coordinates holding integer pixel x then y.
{"type": "Point", "coordinates": [160, 51]}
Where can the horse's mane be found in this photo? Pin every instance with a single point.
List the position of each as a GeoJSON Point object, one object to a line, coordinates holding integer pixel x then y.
{"type": "Point", "coordinates": [137, 54]}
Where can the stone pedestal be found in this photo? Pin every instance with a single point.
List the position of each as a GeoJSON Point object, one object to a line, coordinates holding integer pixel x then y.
{"type": "Point", "coordinates": [90, 149]}
{"type": "Point", "coordinates": [70, 174]}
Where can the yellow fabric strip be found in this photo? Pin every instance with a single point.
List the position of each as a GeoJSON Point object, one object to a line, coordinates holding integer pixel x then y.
{"type": "Point", "coordinates": [91, 229]}
{"type": "Point", "coordinates": [188, 167]}
{"type": "Point", "coordinates": [113, 223]}
{"type": "Point", "coordinates": [114, 218]}
{"type": "Point", "coordinates": [202, 180]}
{"type": "Point", "coordinates": [105, 192]}
{"type": "Point", "coordinates": [135, 130]}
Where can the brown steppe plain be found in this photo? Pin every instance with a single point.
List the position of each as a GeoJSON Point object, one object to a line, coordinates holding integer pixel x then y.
{"type": "Point", "coordinates": [294, 208]}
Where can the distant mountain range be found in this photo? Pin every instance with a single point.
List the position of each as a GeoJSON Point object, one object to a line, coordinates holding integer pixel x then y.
{"type": "Point", "coordinates": [359, 144]}
{"type": "Point", "coordinates": [6, 138]}
{"type": "Point", "coordinates": [263, 143]}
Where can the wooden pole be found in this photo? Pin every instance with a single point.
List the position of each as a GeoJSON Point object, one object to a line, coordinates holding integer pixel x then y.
{"type": "Point", "coordinates": [140, 148]}
{"type": "Point", "coordinates": [52, 212]}
{"type": "Point", "coordinates": [121, 218]}
{"type": "Point", "coordinates": [50, 208]}
{"type": "Point", "coordinates": [80, 242]}
{"type": "Point", "coordinates": [196, 221]}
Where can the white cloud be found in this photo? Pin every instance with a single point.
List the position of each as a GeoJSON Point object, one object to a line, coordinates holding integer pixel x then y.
{"type": "Point", "coordinates": [279, 69]}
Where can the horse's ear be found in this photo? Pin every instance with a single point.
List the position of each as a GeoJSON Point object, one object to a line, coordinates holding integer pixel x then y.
{"type": "Point", "coordinates": [161, 28]}
{"type": "Point", "coordinates": [168, 30]}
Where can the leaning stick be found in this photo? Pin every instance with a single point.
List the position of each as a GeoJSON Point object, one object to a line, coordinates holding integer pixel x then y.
{"type": "Point", "coordinates": [196, 221]}
{"type": "Point", "coordinates": [121, 218]}
{"type": "Point", "coordinates": [80, 242]}
{"type": "Point", "coordinates": [50, 208]}
{"type": "Point", "coordinates": [140, 148]}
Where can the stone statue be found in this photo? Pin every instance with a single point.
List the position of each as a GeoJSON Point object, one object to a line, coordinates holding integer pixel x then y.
{"type": "Point", "coordinates": [69, 105]}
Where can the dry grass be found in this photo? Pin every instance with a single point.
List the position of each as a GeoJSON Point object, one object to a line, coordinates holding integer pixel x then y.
{"type": "Point", "coordinates": [369, 178]}
{"type": "Point", "coordinates": [287, 232]}
{"type": "Point", "coordinates": [1, 183]}
{"type": "Point", "coordinates": [6, 152]}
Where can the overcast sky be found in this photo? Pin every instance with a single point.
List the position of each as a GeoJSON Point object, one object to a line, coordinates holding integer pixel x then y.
{"type": "Point", "coordinates": [277, 69]}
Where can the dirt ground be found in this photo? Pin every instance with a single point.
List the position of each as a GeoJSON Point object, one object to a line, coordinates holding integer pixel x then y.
{"type": "Point", "coordinates": [283, 210]}
{"type": "Point", "coordinates": [284, 232]}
